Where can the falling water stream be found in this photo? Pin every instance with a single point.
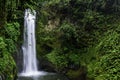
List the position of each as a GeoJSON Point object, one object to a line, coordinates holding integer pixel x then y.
{"type": "Point", "coordinates": [29, 52]}
{"type": "Point", "coordinates": [30, 70]}
{"type": "Point", "coordinates": [29, 45]}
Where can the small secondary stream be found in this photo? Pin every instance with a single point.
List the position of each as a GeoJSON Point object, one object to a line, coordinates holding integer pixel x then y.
{"type": "Point", "coordinates": [30, 70]}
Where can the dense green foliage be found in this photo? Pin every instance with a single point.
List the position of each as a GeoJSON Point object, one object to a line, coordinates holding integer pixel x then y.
{"type": "Point", "coordinates": [77, 36]}
{"type": "Point", "coordinates": [105, 62]}
{"type": "Point", "coordinates": [9, 33]}
{"type": "Point", "coordinates": [73, 34]}
{"type": "Point", "coordinates": [8, 41]}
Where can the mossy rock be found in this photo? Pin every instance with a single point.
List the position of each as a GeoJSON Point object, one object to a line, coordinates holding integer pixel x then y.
{"type": "Point", "coordinates": [79, 74]}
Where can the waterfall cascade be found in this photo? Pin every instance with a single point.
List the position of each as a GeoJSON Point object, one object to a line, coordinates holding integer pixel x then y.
{"type": "Point", "coordinates": [29, 45]}
{"type": "Point", "coordinates": [30, 70]}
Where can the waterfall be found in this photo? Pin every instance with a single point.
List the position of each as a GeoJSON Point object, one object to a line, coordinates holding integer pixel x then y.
{"type": "Point", "coordinates": [29, 45]}
{"type": "Point", "coordinates": [30, 70]}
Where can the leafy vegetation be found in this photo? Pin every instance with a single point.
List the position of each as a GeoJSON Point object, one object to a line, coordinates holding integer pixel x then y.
{"type": "Point", "coordinates": [79, 34]}
{"type": "Point", "coordinates": [9, 34]}
{"type": "Point", "coordinates": [107, 62]}
{"type": "Point", "coordinates": [79, 37]}
{"type": "Point", "coordinates": [8, 46]}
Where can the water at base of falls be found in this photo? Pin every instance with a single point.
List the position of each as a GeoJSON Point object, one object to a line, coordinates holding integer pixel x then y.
{"type": "Point", "coordinates": [47, 76]}
{"type": "Point", "coordinates": [29, 45]}
{"type": "Point", "coordinates": [33, 74]}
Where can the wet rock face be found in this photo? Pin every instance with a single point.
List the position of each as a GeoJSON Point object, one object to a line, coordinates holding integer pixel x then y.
{"type": "Point", "coordinates": [45, 65]}
{"type": "Point", "coordinates": [79, 74]}
{"type": "Point", "coordinates": [1, 77]}
{"type": "Point", "coordinates": [18, 58]}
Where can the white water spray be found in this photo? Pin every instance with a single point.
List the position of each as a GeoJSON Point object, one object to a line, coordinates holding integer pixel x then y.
{"type": "Point", "coordinates": [29, 45]}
